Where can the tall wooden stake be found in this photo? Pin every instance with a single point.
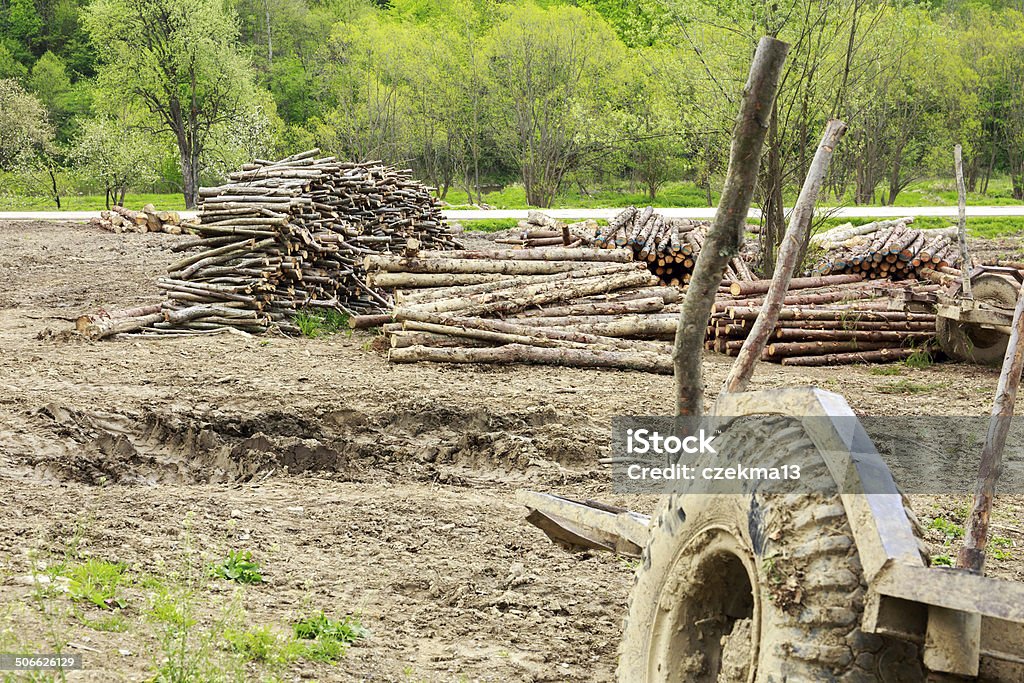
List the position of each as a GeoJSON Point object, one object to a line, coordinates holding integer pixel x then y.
{"type": "Point", "coordinates": [726, 236]}
{"type": "Point", "coordinates": [972, 555]}
{"type": "Point", "coordinates": [961, 191]}
{"type": "Point", "coordinates": [788, 261]}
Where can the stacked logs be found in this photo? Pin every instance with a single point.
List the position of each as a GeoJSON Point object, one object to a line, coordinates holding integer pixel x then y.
{"type": "Point", "coordinates": [887, 249]}
{"type": "Point", "coordinates": [830, 320]}
{"type": "Point", "coordinates": [284, 236]}
{"type": "Point", "coordinates": [669, 246]}
{"type": "Point", "coordinates": [540, 230]}
{"type": "Point", "coordinates": [599, 308]}
{"type": "Point", "coordinates": [120, 219]}
{"type": "Point", "coordinates": [547, 306]}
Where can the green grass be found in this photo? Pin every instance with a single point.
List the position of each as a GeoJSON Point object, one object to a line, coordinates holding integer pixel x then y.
{"type": "Point", "coordinates": [330, 637]}
{"type": "Point", "coordinates": [905, 386]}
{"type": "Point", "coordinates": [320, 323]}
{"type": "Point", "coordinates": [920, 359]}
{"type": "Point", "coordinates": [95, 582]}
{"type": "Point", "coordinates": [490, 224]}
{"type": "Point", "coordinates": [239, 567]}
{"type": "Point", "coordinates": [885, 370]}
{"type": "Point", "coordinates": [987, 227]}
{"type": "Point", "coordinates": [683, 194]}
{"type": "Point", "coordinates": [942, 561]}
{"type": "Point", "coordinates": [163, 202]}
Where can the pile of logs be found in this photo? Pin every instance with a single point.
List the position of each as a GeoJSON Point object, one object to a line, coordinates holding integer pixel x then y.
{"type": "Point", "coordinates": [120, 219]}
{"type": "Point", "coordinates": [540, 230]}
{"type": "Point", "coordinates": [669, 246]}
{"type": "Point", "coordinates": [285, 236]}
{"type": "Point", "coordinates": [600, 308]}
{"type": "Point", "coordinates": [831, 320]}
{"type": "Point", "coordinates": [887, 249]}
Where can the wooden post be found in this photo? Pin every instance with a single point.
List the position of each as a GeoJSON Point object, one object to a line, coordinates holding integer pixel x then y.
{"type": "Point", "coordinates": [726, 236]}
{"type": "Point", "coordinates": [788, 261]}
{"type": "Point", "coordinates": [961, 230]}
{"type": "Point", "coordinates": [972, 555]}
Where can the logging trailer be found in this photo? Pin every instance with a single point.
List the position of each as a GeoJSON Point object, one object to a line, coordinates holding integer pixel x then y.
{"type": "Point", "coordinates": [833, 584]}
{"type": "Point", "coordinates": [976, 327]}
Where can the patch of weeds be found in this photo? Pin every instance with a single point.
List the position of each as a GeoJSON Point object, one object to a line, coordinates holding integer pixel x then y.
{"type": "Point", "coordinates": [998, 547]}
{"type": "Point", "coordinates": [321, 323]}
{"type": "Point", "coordinates": [885, 370]}
{"type": "Point", "coordinates": [784, 584]}
{"type": "Point", "coordinates": [96, 582]}
{"type": "Point", "coordinates": [919, 359]}
{"type": "Point", "coordinates": [110, 623]}
{"type": "Point", "coordinates": [630, 563]}
{"type": "Point", "coordinates": [262, 644]}
{"type": "Point", "coordinates": [905, 386]}
{"type": "Point", "coordinates": [942, 561]}
{"type": "Point", "coordinates": [331, 637]}
{"type": "Point", "coordinates": [239, 567]}
{"type": "Point", "coordinates": [951, 530]}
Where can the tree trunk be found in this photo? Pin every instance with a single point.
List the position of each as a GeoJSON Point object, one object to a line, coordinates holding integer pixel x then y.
{"type": "Point", "coordinates": [726, 236]}
{"type": "Point", "coordinates": [189, 174]}
{"type": "Point", "coordinates": [793, 246]}
{"type": "Point", "coordinates": [774, 216]}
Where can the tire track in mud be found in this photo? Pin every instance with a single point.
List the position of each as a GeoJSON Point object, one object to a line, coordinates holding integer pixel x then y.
{"type": "Point", "coordinates": [416, 440]}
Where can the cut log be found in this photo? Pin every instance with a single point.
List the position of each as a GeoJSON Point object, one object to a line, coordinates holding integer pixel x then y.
{"type": "Point", "coordinates": [516, 353]}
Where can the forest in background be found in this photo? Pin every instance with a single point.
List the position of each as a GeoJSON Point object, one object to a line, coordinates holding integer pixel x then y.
{"type": "Point", "coordinates": [111, 96]}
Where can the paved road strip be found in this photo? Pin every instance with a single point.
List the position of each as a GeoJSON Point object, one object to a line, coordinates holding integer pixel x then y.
{"type": "Point", "coordinates": [700, 212]}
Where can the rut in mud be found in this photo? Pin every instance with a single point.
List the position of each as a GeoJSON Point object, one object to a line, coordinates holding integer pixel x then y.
{"type": "Point", "coordinates": [415, 441]}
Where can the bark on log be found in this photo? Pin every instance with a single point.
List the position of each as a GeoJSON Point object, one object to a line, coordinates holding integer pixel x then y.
{"type": "Point", "coordinates": [516, 353]}
{"type": "Point", "coordinates": [762, 286]}
{"type": "Point", "coordinates": [972, 555]}
{"type": "Point", "coordinates": [788, 260]}
{"type": "Point", "coordinates": [726, 235]}
{"type": "Point", "coordinates": [600, 255]}
{"type": "Point", "coordinates": [880, 356]}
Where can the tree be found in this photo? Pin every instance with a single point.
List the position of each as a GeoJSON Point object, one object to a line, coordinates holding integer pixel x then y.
{"type": "Point", "coordinates": [177, 60]}
{"type": "Point", "coordinates": [25, 130]}
{"type": "Point", "coordinates": [9, 66]}
{"type": "Point", "coordinates": [553, 74]}
{"type": "Point", "coordinates": [116, 154]}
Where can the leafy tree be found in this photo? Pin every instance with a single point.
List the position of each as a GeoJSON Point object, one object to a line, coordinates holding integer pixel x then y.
{"type": "Point", "coordinates": [115, 153]}
{"type": "Point", "coordinates": [25, 130]}
{"type": "Point", "coordinates": [23, 22]}
{"type": "Point", "coordinates": [9, 66]}
{"type": "Point", "coordinates": [177, 60]}
{"type": "Point", "coordinates": [553, 76]}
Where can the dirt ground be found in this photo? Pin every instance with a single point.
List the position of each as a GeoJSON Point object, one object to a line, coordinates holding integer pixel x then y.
{"type": "Point", "coordinates": [361, 487]}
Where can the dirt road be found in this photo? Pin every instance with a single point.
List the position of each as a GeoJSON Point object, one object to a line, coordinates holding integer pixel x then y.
{"type": "Point", "coordinates": [360, 487]}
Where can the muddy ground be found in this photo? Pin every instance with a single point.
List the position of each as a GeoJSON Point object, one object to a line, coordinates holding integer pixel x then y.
{"type": "Point", "coordinates": [360, 487]}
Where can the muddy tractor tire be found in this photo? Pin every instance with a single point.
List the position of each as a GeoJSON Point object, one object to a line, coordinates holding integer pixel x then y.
{"type": "Point", "coordinates": [756, 588]}
{"type": "Point", "coordinates": [974, 343]}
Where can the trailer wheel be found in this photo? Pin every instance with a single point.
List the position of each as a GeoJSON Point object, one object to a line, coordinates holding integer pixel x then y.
{"type": "Point", "coordinates": [974, 343]}
{"type": "Point", "coordinates": [756, 588]}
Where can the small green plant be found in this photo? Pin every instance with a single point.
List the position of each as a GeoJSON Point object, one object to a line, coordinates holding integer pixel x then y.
{"type": "Point", "coordinates": [904, 386]}
{"type": "Point", "coordinates": [109, 623]}
{"type": "Point", "coordinates": [920, 359]}
{"type": "Point", "coordinates": [319, 625]}
{"type": "Point", "coordinates": [942, 561]}
{"type": "Point", "coordinates": [950, 529]}
{"type": "Point", "coordinates": [96, 582]}
{"type": "Point", "coordinates": [330, 637]}
{"type": "Point", "coordinates": [885, 370]}
{"type": "Point", "coordinates": [320, 323]}
{"type": "Point", "coordinates": [239, 566]}
{"type": "Point", "coordinates": [999, 548]}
